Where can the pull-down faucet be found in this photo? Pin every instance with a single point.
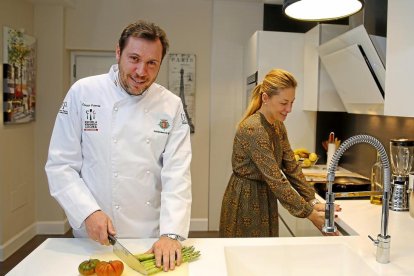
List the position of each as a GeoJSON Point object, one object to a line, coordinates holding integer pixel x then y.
{"type": "Point", "coordinates": [383, 239]}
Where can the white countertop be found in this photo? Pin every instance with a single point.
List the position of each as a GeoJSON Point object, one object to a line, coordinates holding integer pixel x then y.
{"type": "Point", "coordinates": [359, 217]}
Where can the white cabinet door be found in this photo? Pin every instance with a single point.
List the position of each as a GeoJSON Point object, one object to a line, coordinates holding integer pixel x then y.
{"type": "Point", "coordinates": [283, 229]}
{"type": "Point", "coordinates": [298, 227]}
{"type": "Point", "coordinates": [399, 92]}
{"type": "Point", "coordinates": [285, 50]}
{"type": "Point", "coordinates": [89, 63]}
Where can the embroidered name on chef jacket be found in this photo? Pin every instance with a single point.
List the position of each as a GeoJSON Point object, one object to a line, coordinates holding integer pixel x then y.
{"type": "Point", "coordinates": [164, 125]}
{"type": "Point", "coordinates": [89, 113]}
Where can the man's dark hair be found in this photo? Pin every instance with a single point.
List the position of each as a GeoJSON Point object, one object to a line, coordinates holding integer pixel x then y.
{"type": "Point", "coordinates": [146, 30]}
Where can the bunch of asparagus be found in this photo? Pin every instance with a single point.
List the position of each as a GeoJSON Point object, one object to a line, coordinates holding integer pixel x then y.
{"type": "Point", "coordinates": [148, 259]}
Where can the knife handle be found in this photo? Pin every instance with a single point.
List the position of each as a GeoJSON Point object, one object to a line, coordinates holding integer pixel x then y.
{"type": "Point", "coordinates": [112, 239]}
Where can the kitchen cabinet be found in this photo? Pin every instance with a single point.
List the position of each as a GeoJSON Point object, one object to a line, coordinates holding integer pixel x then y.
{"type": "Point", "coordinates": [357, 70]}
{"type": "Point", "coordinates": [270, 50]}
{"type": "Point", "coordinates": [284, 231]}
{"type": "Point", "coordinates": [399, 96]}
{"type": "Point", "coordinates": [358, 217]}
{"type": "Point", "coordinates": [319, 91]}
{"type": "Point", "coordinates": [291, 226]}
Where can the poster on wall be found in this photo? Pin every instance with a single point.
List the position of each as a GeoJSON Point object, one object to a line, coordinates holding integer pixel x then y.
{"type": "Point", "coordinates": [181, 81]}
{"type": "Point", "coordinates": [19, 76]}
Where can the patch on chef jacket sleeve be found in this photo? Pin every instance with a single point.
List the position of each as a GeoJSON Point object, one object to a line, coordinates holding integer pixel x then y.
{"type": "Point", "coordinates": [184, 120]}
{"type": "Point", "coordinates": [64, 108]}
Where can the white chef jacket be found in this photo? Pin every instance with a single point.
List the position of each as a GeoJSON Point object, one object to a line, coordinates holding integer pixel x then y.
{"type": "Point", "coordinates": [128, 156]}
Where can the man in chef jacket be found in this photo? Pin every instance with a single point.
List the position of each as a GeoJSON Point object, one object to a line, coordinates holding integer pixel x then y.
{"type": "Point", "coordinates": [120, 152]}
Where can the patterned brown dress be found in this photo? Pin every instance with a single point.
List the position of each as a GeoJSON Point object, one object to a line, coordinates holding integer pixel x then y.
{"type": "Point", "coordinates": [249, 207]}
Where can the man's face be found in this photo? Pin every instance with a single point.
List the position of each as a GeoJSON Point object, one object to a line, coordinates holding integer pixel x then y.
{"type": "Point", "coordinates": [139, 64]}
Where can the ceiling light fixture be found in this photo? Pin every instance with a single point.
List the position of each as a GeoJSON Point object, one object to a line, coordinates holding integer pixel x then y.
{"type": "Point", "coordinates": [321, 10]}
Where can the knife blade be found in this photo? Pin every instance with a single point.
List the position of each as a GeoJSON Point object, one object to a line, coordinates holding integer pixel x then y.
{"type": "Point", "coordinates": [126, 256]}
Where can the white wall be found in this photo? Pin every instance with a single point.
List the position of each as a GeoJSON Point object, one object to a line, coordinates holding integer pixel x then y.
{"type": "Point", "coordinates": [233, 23]}
{"type": "Point", "coordinates": [17, 189]}
{"type": "Point", "coordinates": [49, 31]}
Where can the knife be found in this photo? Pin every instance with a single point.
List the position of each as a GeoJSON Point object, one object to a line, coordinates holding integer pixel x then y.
{"type": "Point", "coordinates": [126, 256]}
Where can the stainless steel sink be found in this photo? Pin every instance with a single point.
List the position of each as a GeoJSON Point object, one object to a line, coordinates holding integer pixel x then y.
{"type": "Point", "coordinates": [347, 187]}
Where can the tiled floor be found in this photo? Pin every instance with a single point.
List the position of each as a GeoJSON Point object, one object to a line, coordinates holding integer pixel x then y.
{"type": "Point", "coordinates": [19, 255]}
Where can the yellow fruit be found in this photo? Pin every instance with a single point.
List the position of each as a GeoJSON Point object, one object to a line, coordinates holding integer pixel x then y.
{"type": "Point", "coordinates": [313, 157]}
{"type": "Point", "coordinates": [301, 151]}
{"type": "Point", "coordinates": [306, 162]}
{"type": "Point", "coordinates": [297, 157]}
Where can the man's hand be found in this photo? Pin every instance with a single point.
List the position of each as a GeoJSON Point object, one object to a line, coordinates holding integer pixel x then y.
{"type": "Point", "coordinates": [98, 225]}
{"type": "Point", "coordinates": [167, 253]}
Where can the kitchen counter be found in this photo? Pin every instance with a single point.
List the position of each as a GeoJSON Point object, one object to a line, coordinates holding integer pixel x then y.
{"type": "Point", "coordinates": [358, 217]}
{"type": "Point", "coordinates": [317, 173]}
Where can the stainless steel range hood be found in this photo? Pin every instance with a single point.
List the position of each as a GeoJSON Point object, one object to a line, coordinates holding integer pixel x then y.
{"type": "Point", "coordinates": [356, 71]}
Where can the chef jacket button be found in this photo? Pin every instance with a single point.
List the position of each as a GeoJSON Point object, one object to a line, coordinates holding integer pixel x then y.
{"type": "Point", "coordinates": [115, 141]}
{"type": "Point", "coordinates": [148, 141]}
{"type": "Point", "coordinates": [116, 174]}
{"type": "Point", "coordinates": [116, 206]}
{"type": "Point", "coordinates": [116, 108]}
{"type": "Point", "coordinates": [146, 110]}
{"type": "Point", "coordinates": [148, 203]}
{"type": "Point", "coordinates": [148, 172]}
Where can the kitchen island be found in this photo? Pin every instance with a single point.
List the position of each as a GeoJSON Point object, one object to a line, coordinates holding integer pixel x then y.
{"type": "Point", "coordinates": [342, 255]}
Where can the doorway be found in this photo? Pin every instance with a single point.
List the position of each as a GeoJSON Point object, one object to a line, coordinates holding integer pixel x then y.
{"type": "Point", "coordinates": [89, 63]}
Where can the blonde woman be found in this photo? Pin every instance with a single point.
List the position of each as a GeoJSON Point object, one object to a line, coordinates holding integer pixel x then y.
{"type": "Point", "coordinates": [264, 167]}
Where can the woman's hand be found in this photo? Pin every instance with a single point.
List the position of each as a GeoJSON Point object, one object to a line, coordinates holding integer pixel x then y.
{"type": "Point", "coordinates": [320, 207]}
{"type": "Point", "coordinates": [318, 219]}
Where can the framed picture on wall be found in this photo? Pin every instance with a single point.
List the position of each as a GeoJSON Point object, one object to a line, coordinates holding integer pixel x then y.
{"type": "Point", "coordinates": [181, 81]}
{"type": "Point", "coordinates": [19, 76]}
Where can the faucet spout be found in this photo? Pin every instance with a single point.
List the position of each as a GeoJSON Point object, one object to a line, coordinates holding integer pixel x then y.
{"type": "Point", "coordinates": [329, 226]}
{"type": "Point", "coordinates": [383, 239]}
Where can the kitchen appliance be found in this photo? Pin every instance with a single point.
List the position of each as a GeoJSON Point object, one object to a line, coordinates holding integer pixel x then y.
{"type": "Point", "coordinates": [401, 152]}
{"type": "Point", "coordinates": [411, 193]}
{"type": "Point", "coordinates": [377, 175]}
{"type": "Point", "coordinates": [353, 63]}
{"type": "Point", "coordinates": [126, 256]}
{"type": "Point", "coordinates": [345, 187]}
